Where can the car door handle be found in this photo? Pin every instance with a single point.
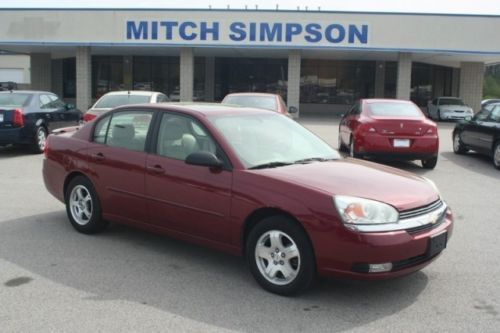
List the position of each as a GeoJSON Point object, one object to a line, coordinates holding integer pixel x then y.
{"type": "Point", "coordinates": [98, 157]}
{"type": "Point", "coordinates": [156, 169]}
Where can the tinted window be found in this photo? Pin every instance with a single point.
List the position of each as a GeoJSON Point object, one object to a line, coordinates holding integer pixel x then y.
{"type": "Point", "coordinates": [45, 102]}
{"type": "Point", "coordinates": [260, 102]}
{"type": "Point", "coordinates": [495, 114]}
{"type": "Point", "coordinates": [355, 110]}
{"type": "Point", "coordinates": [490, 107]}
{"type": "Point", "coordinates": [266, 138]}
{"type": "Point", "coordinates": [482, 115]}
{"type": "Point", "coordinates": [394, 109]}
{"type": "Point", "coordinates": [129, 129]}
{"type": "Point", "coordinates": [14, 99]}
{"type": "Point", "coordinates": [180, 136]}
{"type": "Point", "coordinates": [111, 101]}
{"type": "Point", "coordinates": [450, 101]}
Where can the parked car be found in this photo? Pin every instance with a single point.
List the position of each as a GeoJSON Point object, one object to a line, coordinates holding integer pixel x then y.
{"type": "Point", "coordinates": [249, 182]}
{"type": "Point", "coordinates": [389, 129]}
{"type": "Point", "coordinates": [273, 102]}
{"type": "Point", "coordinates": [480, 133]}
{"type": "Point", "coordinates": [448, 108]}
{"type": "Point", "coordinates": [27, 117]}
{"type": "Point", "coordinates": [118, 98]}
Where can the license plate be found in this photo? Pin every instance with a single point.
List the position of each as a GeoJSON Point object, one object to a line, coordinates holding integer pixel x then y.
{"type": "Point", "coordinates": [405, 143]}
{"type": "Point", "coordinates": [437, 243]}
{"type": "Point", "coordinates": [1, 118]}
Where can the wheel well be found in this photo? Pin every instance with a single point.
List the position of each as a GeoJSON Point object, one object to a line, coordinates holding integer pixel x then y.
{"type": "Point", "coordinates": [69, 178]}
{"type": "Point", "coordinates": [260, 214]}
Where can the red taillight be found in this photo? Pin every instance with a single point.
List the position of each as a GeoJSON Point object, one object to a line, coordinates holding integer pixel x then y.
{"type": "Point", "coordinates": [88, 117]}
{"type": "Point", "coordinates": [18, 119]}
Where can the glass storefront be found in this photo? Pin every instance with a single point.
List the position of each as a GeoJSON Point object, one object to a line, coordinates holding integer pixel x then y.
{"type": "Point", "coordinates": [429, 81]}
{"type": "Point", "coordinates": [157, 74]}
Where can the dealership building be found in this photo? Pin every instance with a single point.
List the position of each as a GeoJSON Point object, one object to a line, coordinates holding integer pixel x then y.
{"type": "Point", "coordinates": [320, 61]}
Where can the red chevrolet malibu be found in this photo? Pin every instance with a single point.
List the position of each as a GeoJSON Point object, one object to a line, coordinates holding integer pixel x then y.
{"type": "Point", "coordinates": [248, 182]}
{"type": "Point", "coordinates": [389, 128]}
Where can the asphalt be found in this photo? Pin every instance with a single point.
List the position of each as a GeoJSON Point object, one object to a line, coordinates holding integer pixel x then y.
{"type": "Point", "coordinates": [54, 279]}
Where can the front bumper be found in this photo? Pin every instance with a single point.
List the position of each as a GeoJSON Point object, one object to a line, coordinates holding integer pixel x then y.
{"type": "Point", "coordinates": [406, 250]}
{"type": "Point", "coordinates": [451, 115]}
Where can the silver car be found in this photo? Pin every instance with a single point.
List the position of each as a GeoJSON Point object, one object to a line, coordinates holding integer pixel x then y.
{"type": "Point", "coordinates": [117, 98]}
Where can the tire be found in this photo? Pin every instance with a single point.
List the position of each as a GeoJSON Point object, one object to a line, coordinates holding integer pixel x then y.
{"type": "Point", "coordinates": [458, 146]}
{"type": "Point", "coordinates": [280, 256]}
{"type": "Point", "coordinates": [83, 206]}
{"type": "Point", "coordinates": [342, 147]}
{"type": "Point", "coordinates": [496, 155]}
{"type": "Point", "coordinates": [352, 153]}
{"type": "Point", "coordinates": [430, 163]}
{"type": "Point", "coordinates": [40, 140]}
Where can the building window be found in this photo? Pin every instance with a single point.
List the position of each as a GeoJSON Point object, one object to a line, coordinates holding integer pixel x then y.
{"type": "Point", "coordinates": [429, 81]}
{"type": "Point", "coordinates": [250, 75]}
{"type": "Point", "coordinates": [391, 74]}
{"type": "Point", "coordinates": [107, 74]}
{"type": "Point", "coordinates": [336, 82]}
{"type": "Point", "coordinates": [157, 74]}
{"type": "Point", "coordinates": [69, 78]}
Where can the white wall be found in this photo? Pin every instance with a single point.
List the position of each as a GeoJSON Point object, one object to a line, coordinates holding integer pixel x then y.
{"type": "Point", "coordinates": [15, 66]}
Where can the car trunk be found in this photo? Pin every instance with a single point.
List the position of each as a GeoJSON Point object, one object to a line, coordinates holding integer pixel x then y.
{"type": "Point", "coordinates": [399, 126]}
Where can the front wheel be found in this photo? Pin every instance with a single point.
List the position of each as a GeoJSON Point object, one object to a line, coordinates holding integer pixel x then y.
{"type": "Point", "coordinates": [83, 207]}
{"type": "Point", "coordinates": [40, 140]}
{"type": "Point", "coordinates": [430, 163]}
{"type": "Point", "coordinates": [280, 256]}
{"type": "Point", "coordinates": [496, 155]}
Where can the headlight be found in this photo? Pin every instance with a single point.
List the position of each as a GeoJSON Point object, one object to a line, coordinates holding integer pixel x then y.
{"type": "Point", "coordinates": [356, 211]}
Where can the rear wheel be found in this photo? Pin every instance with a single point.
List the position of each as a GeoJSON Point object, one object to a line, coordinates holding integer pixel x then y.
{"type": "Point", "coordinates": [40, 140]}
{"type": "Point", "coordinates": [83, 207]}
{"type": "Point", "coordinates": [280, 256]}
{"type": "Point", "coordinates": [430, 163]}
{"type": "Point", "coordinates": [458, 146]}
{"type": "Point", "coordinates": [496, 155]}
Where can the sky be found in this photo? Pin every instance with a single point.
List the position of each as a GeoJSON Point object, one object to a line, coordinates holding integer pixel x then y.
{"type": "Point", "coordinates": [489, 7]}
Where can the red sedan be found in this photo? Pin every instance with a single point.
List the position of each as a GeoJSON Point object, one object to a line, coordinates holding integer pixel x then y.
{"type": "Point", "coordinates": [390, 129]}
{"type": "Point", "coordinates": [249, 182]}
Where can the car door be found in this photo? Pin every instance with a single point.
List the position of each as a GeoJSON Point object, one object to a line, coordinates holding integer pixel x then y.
{"type": "Point", "coordinates": [471, 132]}
{"type": "Point", "coordinates": [489, 130]}
{"type": "Point", "coordinates": [190, 199]}
{"type": "Point", "coordinates": [117, 160]}
{"type": "Point", "coordinates": [47, 112]}
{"type": "Point", "coordinates": [64, 116]}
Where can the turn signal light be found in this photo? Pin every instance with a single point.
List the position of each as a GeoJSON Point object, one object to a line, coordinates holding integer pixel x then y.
{"type": "Point", "coordinates": [18, 119]}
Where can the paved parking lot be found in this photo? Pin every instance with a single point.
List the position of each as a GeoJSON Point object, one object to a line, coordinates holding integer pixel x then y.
{"type": "Point", "coordinates": [54, 279]}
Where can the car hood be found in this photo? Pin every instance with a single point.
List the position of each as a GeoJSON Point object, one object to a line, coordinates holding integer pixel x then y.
{"type": "Point", "coordinates": [454, 108]}
{"type": "Point", "coordinates": [358, 178]}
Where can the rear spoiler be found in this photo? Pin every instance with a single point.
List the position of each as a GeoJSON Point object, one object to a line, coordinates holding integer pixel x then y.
{"type": "Point", "coordinates": [65, 130]}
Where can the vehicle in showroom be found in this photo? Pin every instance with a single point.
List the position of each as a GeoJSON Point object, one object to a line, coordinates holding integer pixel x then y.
{"type": "Point", "coordinates": [27, 117]}
{"type": "Point", "coordinates": [448, 108]}
{"type": "Point", "coordinates": [389, 129]}
{"type": "Point", "coordinates": [249, 182]}
{"type": "Point", "coordinates": [118, 98]}
{"type": "Point", "coordinates": [480, 133]}
{"type": "Point", "coordinates": [273, 102]}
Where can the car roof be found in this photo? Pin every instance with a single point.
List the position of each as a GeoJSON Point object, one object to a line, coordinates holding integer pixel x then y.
{"type": "Point", "coordinates": [132, 92]}
{"type": "Point", "coordinates": [385, 100]}
{"type": "Point", "coordinates": [204, 109]}
{"type": "Point", "coordinates": [251, 94]}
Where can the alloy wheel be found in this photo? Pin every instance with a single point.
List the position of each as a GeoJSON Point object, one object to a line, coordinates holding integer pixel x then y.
{"type": "Point", "coordinates": [41, 138]}
{"type": "Point", "coordinates": [80, 202]}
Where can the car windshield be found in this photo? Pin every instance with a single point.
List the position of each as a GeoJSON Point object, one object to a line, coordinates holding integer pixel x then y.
{"type": "Point", "coordinates": [490, 107]}
{"type": "Point", "coordinates": [270, 140]}
{"type": "Point", "coordinates": [260, 102]}
{"type": "Point", "coordinates": [394, 109]}
{"type": "Point", "coordinates": [450, 101]}
{"type": "Point", "coordinates": [112, 101]}
{"type": "Point", "coordinates": [15, 100]}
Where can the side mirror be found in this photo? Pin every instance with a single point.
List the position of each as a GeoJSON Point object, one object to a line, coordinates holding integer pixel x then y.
{"type": "Point", "coordinates": [292, 110]}
{"type": "Point", "coordinates": [70, 106]}
{"type": "Point", "coordinates": [204, 158]}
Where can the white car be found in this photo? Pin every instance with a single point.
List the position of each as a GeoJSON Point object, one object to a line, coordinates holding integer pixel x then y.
{"type": "Point", "coordinates": [117, 98]}
{"type": "Point", "coordinates": [448, 108]}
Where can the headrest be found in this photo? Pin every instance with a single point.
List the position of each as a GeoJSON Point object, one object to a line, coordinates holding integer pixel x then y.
{"type": "Point", "coordinates": [189, 143]}
{"type": "Point", "coordinates": [173, 129]}
{"type": "Point", "coordinates": [123, 132]}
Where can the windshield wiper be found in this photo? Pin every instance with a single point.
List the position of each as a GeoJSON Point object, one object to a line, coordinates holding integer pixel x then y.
{"type": "Point", "coordinates": [313, 159]}
{"type": "Point", "coordinates": [270, 165]}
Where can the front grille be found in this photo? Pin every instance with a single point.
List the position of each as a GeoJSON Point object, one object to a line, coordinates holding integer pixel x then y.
{"type": "Point", "coordinates": [406, 214]}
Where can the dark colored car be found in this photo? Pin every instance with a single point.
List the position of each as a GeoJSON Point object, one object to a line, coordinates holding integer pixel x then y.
{"type": "Point", "coordinates": [266, 101]}
{"type": "Point", "coordinates": [481, 134]}
{"type": "Point", "coordinates": [389, 129]}
{"type": "Point", "coordinates": [27, 117]}
{"type": "Point", "coordinates": [249, 182]}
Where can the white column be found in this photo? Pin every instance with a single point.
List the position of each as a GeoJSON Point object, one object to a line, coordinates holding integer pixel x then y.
{"type": "Point", "coordinates": [186, 74]}
{"type": "Point", "coordinates": [41, 71]}
{"type": "Point", "coordinates": [83, 78]}
{"type": "Point", "coordinates": [471, 84]}
{"type": "Point", "coordinates": [403, 83]}
{"type": "Point", "coordinates": [379, 79]}
{"type": "Point", "coordinates": [209, 79]}
{"type": "Point", "coordinates": [293, 87]}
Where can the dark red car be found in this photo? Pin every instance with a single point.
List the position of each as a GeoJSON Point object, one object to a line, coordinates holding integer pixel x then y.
{"type": "Point", "coordinates": [248, 182]}
{"type": "Point", "coordinates": [389, 129]}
